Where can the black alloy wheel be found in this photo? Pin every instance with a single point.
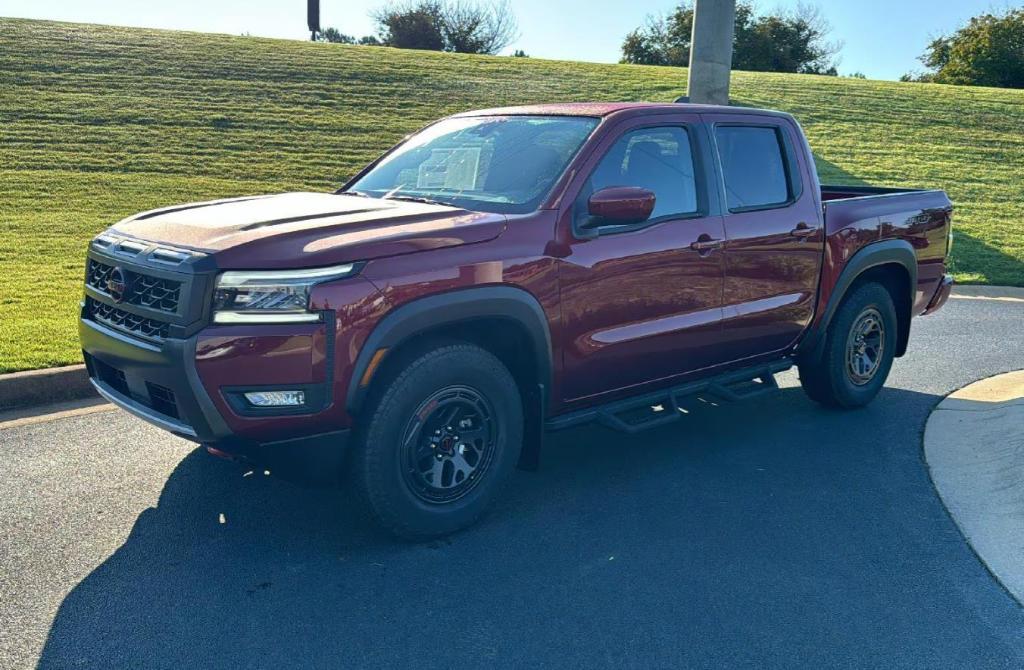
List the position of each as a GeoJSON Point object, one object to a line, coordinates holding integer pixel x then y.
{"type": "Point", "coordinates": [448, 444]}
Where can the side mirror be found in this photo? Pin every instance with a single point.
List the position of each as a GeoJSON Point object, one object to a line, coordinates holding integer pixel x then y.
{"type": "Point", "coordinates": [620, 205]}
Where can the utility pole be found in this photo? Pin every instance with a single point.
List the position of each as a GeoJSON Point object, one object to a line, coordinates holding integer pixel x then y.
{"type": "Point", "coordinates": [714, 22]}
{"type": "Point", "coordinates": [313, 18]}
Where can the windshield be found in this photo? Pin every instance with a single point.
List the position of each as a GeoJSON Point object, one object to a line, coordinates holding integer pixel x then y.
{"type": "Point", "coordinates": [501, 164]}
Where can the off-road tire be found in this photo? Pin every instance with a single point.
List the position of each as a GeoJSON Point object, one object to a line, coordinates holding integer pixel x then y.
{"type": "Point", "coordinates": [380, 469]}
{"type": "Point", "coordinates": [829, 378]}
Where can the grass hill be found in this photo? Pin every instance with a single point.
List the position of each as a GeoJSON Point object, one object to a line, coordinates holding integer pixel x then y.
{"type": "Point", "coordinates": [99, 122]}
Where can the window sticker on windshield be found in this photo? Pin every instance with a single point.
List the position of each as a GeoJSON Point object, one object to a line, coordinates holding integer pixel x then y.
{"type": "Point", "coordinates": [453, 169]}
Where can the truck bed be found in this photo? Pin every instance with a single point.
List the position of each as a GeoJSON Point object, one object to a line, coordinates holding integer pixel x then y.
{"type": "Point", "coordinates": [856, 216]}
{"type": "Point", "coordinates": [837, 192]}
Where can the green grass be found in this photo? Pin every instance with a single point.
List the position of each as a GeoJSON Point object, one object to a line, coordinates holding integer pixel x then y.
{"type": "Point", "coordinates": [97, 123]}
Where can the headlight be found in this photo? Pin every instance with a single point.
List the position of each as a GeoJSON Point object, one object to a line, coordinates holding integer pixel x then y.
{"type": "Point", "coordinates": [272, 296]}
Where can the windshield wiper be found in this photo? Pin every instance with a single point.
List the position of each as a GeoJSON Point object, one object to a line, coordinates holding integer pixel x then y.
{"type": "Point", "coordinates": [416, 198]}
{"type": "Point", "coordinates": [355, 193]}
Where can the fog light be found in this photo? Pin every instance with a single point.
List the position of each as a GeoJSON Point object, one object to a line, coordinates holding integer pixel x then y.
{"type": "Point", "coordinates": [276, 398]}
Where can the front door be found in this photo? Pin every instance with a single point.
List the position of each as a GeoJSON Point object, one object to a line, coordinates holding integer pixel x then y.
{"type": "Point", "coordinates": [774, 243]}
{"type": "Point", "coordinates": [643, 302]}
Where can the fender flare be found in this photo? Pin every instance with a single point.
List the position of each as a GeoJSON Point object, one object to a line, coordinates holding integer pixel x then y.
{"type": "Point", "coordinates": [886, 252]}
{"type": "Point", "coordinates": [443, 309]}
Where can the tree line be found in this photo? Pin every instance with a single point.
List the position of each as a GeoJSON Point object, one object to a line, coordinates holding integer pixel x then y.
{"type": "Point", "coordinates": [784, 41]}
{"type": "Point", "coordinates": [459, 26]}
{"type": "Point", "coordinates": [987, 51]}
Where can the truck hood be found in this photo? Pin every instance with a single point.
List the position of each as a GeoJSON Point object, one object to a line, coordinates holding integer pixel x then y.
{"type": "Point", "coordinates": [295, 230]}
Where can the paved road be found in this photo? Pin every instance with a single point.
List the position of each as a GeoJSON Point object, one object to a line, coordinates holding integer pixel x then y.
{"type": "Point", "coordinates": [771, 533]}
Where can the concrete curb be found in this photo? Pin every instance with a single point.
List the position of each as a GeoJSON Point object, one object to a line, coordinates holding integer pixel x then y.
{"type": "Point", "coordinates": [44, 387]}
{"type": "Point", "coordinates": [974, 447]}
{"type": "Point", "coordinates": [1008, 293]}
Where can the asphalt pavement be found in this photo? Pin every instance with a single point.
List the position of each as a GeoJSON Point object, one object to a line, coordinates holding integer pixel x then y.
{"type": "Point", "coordinates": [767, 533]}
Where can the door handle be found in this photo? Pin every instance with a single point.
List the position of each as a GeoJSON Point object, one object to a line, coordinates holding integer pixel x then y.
{"type": "Point", "coordinates": [803, 230]}
{"type": "Point", "coordinates": [705, 244]}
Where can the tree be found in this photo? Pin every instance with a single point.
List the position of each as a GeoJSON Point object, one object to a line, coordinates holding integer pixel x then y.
{"type": "Point", "coordinates": [413, 24]}
{"type": "Point", "coordinates": [478, 28]}
{"type": "Point", "coordinates": [988, 51]}
{"type": "Point", "coordinates": [335, 36]}
{"type": "Point", "coordinates": [786, 41]}
{"type": "Point", "coordinates": [460, 26]}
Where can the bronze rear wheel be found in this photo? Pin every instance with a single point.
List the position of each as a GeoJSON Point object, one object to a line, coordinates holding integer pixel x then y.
{"type": "Point", "coordinates": [858, 350]}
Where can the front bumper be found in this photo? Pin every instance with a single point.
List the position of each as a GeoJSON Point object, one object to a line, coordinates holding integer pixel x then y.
{"type": "Point", "coordinates": [157, 383]}
{"type": "Point", "coordinates": [161, 384]}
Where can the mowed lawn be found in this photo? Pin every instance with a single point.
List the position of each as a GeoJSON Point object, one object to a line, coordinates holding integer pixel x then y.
{"type": "Point", "coordinates": [99, 122]}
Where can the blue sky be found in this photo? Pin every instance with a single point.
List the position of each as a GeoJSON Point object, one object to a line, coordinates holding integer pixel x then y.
{"type": "Point", "coordinates": [882, 38]}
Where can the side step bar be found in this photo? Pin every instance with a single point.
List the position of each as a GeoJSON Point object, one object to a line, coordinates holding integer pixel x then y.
{"type": "Point", "coordinates": [631, 415]}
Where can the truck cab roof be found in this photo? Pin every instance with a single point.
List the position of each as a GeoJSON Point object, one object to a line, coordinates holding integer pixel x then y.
{"type": "Point", "coordinates": [603, 109]}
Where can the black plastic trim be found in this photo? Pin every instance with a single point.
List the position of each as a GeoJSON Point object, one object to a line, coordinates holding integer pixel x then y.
{"type": "Point", "coordinates": [717, 385]}
{"type": "Point", "coordinates": [873, 255]}
{"type": "Point", "coordinates": [186, 350]}
{"type": "Point", "coordinates": [172, 365]}
{"type": "Point", "coordinates": [865, 191]}
{"type": "Point", "coordinates": [305, 217]}
{"type": "Point", "coordinates": [429, 312]}
{"type": "Point", "coordinates": [195, 274]}
{"type": "Point", "coordinates": [147, 414]}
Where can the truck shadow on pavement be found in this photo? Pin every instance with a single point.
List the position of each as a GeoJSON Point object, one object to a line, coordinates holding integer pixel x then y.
{"type": "Point", "coordinates": [790, 537]}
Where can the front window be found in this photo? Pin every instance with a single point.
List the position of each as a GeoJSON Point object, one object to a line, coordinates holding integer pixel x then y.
{"type": "Point", "coordinates": [657, 159]}
{"type": "Point", "coordinates": [501, 164]}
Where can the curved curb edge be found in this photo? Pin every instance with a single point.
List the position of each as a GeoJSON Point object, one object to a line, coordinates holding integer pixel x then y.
{"type": "Point", "coordinates": [974, 449]}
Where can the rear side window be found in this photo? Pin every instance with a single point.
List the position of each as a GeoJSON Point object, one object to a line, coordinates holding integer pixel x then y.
{"type": "Point", "coordinates": [753, 165]}
{"type": "Point", "coordinates": [658, 159]}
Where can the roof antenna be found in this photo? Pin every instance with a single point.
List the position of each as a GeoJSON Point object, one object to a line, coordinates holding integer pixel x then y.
{"type": "Point", "coordinates": [683, 98]}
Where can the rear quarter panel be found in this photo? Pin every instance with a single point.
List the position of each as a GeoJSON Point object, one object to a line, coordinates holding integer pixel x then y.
{"type": "Point", "coordinates": [922, 218]}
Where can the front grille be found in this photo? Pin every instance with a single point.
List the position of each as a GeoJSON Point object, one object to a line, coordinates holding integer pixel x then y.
{"type": "Point", "coordinates": [119, 319]}
{"type": "Point", "coordinates": [139, 289]}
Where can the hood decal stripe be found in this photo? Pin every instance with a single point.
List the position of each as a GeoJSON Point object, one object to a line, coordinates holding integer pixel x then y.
{"type": "Point", "coordinates": [306, 217]}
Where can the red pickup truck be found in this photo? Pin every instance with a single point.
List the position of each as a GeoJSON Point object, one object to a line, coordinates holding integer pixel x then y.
{"type": "Point", "coordinates": [502, 273]}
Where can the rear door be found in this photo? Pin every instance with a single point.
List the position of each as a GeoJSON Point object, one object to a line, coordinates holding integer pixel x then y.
{"type": "Point", "coordinates": [774, 237]}
{"type": "Point", "coordinates": [642, 303]}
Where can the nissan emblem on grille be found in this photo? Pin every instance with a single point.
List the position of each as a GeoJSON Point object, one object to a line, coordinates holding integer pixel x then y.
{"type": "Point", "coordinates": [117, 284]}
